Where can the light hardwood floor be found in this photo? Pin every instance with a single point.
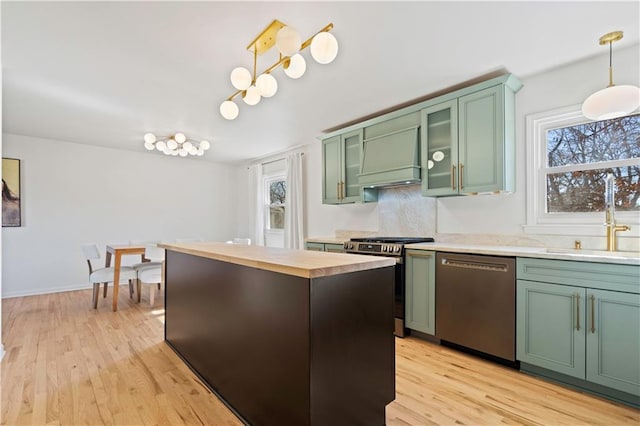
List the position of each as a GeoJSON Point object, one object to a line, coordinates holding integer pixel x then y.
{"type": "Point", "coordinates": [69, 364]}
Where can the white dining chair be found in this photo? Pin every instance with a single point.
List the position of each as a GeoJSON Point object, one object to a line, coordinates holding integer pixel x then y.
{"type": "Point", "coordinates": [105, 274]}
{"type": "Point", "coordinates": [151, 272]}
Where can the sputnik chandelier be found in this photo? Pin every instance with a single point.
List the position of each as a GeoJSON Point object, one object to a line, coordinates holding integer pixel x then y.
{"type": "Point", "coordinates": [253, 87]}
{"type": "Point", "coordinates": [176, 144]}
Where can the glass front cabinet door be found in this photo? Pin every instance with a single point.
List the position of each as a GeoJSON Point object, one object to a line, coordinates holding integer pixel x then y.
{"type": "Point", "coordinates": [440, 149]}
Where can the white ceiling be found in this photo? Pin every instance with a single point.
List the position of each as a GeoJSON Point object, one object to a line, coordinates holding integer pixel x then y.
{"type": "Point", "coordinates": [105, 73]}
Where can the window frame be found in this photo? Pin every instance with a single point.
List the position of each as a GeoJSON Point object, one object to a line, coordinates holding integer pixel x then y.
{"type": "Point", "coordinates": [538, 220]}
{"type": "Point", "coordinates": [266, 184]}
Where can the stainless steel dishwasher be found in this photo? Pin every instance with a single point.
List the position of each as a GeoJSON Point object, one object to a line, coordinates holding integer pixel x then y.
{"type": "Point", "coordinates": [475, 302]}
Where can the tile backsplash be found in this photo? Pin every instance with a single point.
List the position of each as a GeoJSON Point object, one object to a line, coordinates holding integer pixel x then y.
{"type": "Point", "coordinates": [404, 212]}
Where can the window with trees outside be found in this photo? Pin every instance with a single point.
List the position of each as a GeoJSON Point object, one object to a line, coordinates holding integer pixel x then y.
{"type": "Point", "coordinates": [276, 193]}
{"type": "Point", "coordinates": [572, 158]}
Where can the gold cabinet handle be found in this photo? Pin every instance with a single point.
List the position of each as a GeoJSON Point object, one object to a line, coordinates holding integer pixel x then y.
{"type": "Point", "coordinates": [593, 314]}
{"type": "Point", "coordinates": [342, 190]}
{"type": "Point", "coordinates": [453, 177]}
{"type": "Point", "coordinates": [338, 190]}
{"type": "Point", "coordinates": [577, 312]}
{"type": "Point", "coordinates": [460, 182]}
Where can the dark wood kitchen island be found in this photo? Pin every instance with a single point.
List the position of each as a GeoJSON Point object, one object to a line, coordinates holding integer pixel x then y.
{"type": "Point", "coordinates": [285, 337]}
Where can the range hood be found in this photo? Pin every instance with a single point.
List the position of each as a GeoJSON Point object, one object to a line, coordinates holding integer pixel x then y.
{"type": "Point", "coordinates": [391, 159]}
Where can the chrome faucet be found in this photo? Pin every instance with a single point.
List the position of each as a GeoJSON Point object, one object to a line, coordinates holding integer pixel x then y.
{"type": "Point", "coordinates": [609, 213]}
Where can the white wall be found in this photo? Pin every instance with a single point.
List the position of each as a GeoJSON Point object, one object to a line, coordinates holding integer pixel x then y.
{"type": "Point", "coordinates": [75, 193]}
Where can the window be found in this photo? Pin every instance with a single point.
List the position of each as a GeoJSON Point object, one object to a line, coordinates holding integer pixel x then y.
{"type": "Point", "coordinates": [570, 158]}
{"type": "Point", "coordinates": [276, 190]}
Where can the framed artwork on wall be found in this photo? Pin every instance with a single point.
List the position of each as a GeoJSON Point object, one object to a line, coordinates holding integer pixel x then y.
{"type": "Point", "coordinates": [11, 213]}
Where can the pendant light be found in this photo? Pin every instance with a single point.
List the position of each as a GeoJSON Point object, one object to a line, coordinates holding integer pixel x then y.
{"type": "Point", "coordinates": [613, 101]}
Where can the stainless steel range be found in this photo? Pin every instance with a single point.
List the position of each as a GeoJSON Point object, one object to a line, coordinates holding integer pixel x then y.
{"type": "Point", "coordinates": [389, 247]}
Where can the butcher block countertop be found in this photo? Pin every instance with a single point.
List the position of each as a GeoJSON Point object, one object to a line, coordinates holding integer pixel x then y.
{"type": "Point", "coordinates": [301, 263]}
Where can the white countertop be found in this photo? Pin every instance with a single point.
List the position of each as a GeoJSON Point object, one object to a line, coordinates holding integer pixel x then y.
{"type": "Point", "coordinates": [598, 256]}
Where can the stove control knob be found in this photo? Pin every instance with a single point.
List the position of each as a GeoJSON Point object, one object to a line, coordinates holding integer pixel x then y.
{"type": "Point", "coordinates": [396, 249]}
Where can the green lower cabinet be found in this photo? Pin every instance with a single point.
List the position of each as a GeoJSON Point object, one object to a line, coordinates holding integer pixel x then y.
{"type": "Point", "coordinates": [613, 340]}
{"type": "Point", "coordinates": [550, 327]}
{"type": "Point", "coordinates": [420, 288]}
{"type": "Point", "coordinates": [331, 247]}
{"type": "Point", "coordinates": [334, 248]}
{"type": "Point", "coordinates": [589, 334]}
{"type": "Point", "coordinates": [314, 246]}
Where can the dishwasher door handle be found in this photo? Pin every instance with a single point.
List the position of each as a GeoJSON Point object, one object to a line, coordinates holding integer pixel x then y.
{"type": "Point", "coordinates": [483, 266]}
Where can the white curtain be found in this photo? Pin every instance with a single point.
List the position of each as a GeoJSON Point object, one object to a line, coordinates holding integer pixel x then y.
{"type": "Point", "coordinates": [293, 205]}
{"type": "Point", "coordinates": [256, 204]}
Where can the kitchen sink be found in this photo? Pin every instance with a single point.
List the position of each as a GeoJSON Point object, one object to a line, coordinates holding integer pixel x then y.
{"type": "Point", "coordinates": [599, 253]}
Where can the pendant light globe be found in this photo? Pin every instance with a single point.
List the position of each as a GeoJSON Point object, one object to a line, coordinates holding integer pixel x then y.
{"type": "Point", "coordinates": [288, 41]}
{"type": "Point", "coordinates": [267, 85]}
{"type": "Point", "coordinates": [241, 78]}
{"type": "Point", "coordinates": [324, 48]}
{"type": "Point", "coordinates": [297, 66]}
{"type": "Point", "coordinates": [612, 102]}
{"type": "Point", "coordinates": [229, 110]}
{"type": "Point", "coordinates": [251, 96]}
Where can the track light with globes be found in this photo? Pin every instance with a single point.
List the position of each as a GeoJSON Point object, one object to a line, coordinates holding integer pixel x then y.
{"type": "Point", "coordinates": [252, 87]}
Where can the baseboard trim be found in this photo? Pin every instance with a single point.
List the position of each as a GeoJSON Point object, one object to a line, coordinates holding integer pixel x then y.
{"type": "Point", "coordinates": [8, 295]}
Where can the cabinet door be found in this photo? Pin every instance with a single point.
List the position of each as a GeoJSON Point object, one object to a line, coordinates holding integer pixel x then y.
{"type": "Point", "coordinates": [351, 166]}
{"type": "Point", "coordinates": [334, 248]}
{"type": "Point", "coordinates": [550, 327]}
{"type": "Point", "coordinates": [613, 340]}
{"type": "Point", "coordinates": [481, 145]}
{"type": "Point", "coordinates": [314, 246]}
{"type": "Point", "coordinates": [331, 170]}
{"type": "Point", "coordinates": [420, 291]}
{"type": "Point", "coordinates": [439, 149]}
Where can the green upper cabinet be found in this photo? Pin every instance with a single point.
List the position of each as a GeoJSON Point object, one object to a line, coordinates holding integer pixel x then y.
{"type": "Point", "coordinates": [340, 168]}
{"type": "Point", "coordinates": [440, 149]}
{"type": "Point", "coordinates": [461, 142]}
{"type": "Point", "coordinates": [468, 143]}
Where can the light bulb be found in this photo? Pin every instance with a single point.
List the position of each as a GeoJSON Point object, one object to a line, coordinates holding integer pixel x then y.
{"type": "Point", "coordinates": [180, 137]}
{"type": "Point", "coordinates": [288, 41]}
{"type": "Point", "coordinates": [172, 144]}
{"type": "Point", "coordinates": [187, 145]}
{"type": "Point", "coordinates": [324, 47]}
{"type": "Point", "coordinates": [241, 78]}
{"type": "Point", "coordinates": [174, 152]}
{"type": "Point", "coordinates": [429, 164]}
{"type": "Point", "coordinates": [183, 152]}
{"type": "Point", "coordinates": [612, 102]}
{"type": "Point", "coordinates": [251, 96]}
{"type": "Point", "coordinates": [297, 66]}
{"type": "Point", "coordinates": [267, 85]}
{"type": "Point", "coordinates": [192, 150]}
{"type": "Point", "coordinates": [149, 145]}
{"type": "Point", "coordinates": [204, 145]}
{"type": "Point", "coordinates": [149, 137]}
{"type": "Point", "coordinates": [161, 146]}
{"type": "Point", "coordinates": [438, 155]}
{"type": "Point", "coordinates": [200, 153]}
{"type": "Point", "coordinates": [229, 110]}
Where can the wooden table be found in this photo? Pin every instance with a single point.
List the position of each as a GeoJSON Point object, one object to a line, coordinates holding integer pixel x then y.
{"type": "Point", "coordinates": [118, 251]}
